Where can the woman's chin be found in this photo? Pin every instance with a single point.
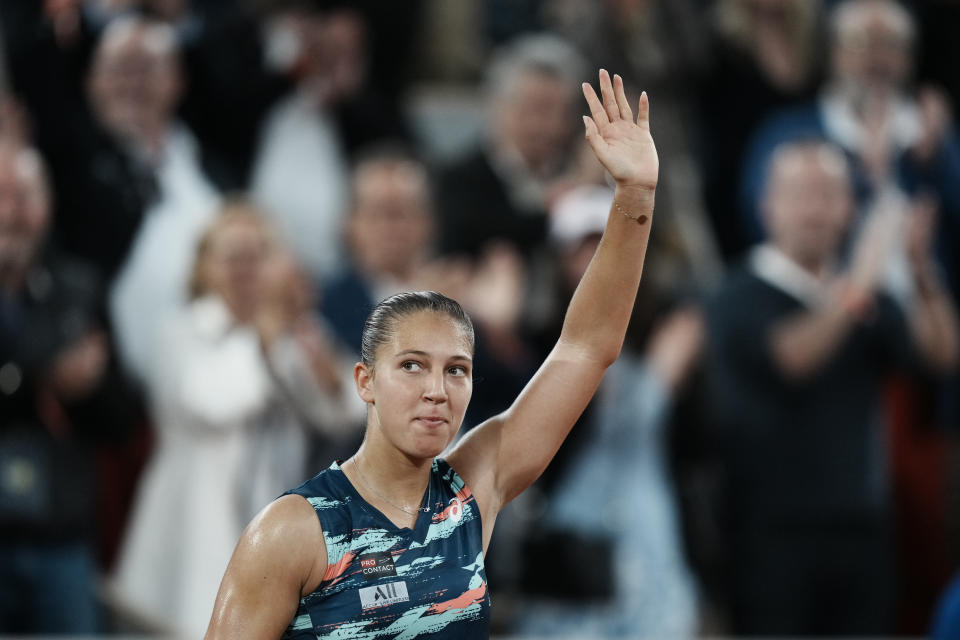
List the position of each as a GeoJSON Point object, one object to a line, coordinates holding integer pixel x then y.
{"type": "Point", "coordinates": [428, 448]}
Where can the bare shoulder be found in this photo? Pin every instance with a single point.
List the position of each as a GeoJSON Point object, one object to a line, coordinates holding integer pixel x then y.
{"type": "Point", "coordinates": [288, 533]}
{"type": "Point", "coordinates": [280, 557]}
{"type": "Point", "coordinates": [289, 514]}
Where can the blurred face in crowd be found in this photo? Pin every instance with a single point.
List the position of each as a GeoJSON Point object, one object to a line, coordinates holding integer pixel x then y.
{"type": "Point", "coordinates": [808, 203]}
{"type": "Point", "coordinates": [287, 286]}
{"type": "Point", "coordinates": [335, 53]}
{"type": "Point", "coordinates": [577, 221]}
{"type": "Point", "coordinates": [534, 115]}
{"type": "Point", "coordinates": [232, 263]}
{"type": "Point", "coordinates": [576, 258]}
{"type": "Point", "coordinates": [134, 81]}
{"type": "Point", "coordinates": [390, 226]}
{"type": "Point", "coordinates": [24, 208]}
{"type": "Point", "coordinates": [872, 46]}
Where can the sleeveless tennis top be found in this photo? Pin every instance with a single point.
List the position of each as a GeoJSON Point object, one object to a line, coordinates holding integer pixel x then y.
{"type": "Point", "coordinates": [384, 581]}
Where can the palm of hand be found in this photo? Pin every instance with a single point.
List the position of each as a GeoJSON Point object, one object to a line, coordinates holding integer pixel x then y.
{"type": "Point", "coordinates": [624, 146]}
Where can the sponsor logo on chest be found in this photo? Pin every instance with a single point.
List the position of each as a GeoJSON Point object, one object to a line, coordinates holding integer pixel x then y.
{"type": "Point", "coordinates": [382, 595]}
{"type": "Point", "coordinates": [456, 509]}
{"type": "Point", "coordinates": [377, 565]}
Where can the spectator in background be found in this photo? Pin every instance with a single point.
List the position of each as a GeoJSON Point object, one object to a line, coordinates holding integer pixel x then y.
{"type": "Point", "coordinates": [222, 54]}
{"type": "Point", "coordinates": [389, 235]}
{"type": "Point", "coordinates": [243, 373]}
{"type": "Point", "coordinates": [134, 85]}
{"type": "Point", "coordinates": [900, 141]}
{"type": "Point", "coordinates": [102, 186]}
{"type": "Point", "coordinates": [896, 137]}
{"type": "Point", "coordinates": [317, 414]}
{"type": "Point", "coordinates": [607, 558]}
{"type": "Point", "coordinates": [661, 46]}
{"type": "Point", "coordinates": [501, 191]}
{"type": "Point", "coordinates": [766, 55]}
{"type": "Point", "coordinates": [798, 352]}
{"type": "Point", "coordinates": [300, 172]}
{"type": "Point", "coordinates": [60, 393]}
{"type": "Point", "coordinates": [235, 78]}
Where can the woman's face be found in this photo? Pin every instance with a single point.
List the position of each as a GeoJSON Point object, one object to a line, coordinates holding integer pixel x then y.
{"type": "Point", "coordinates": [235, 267]}
{"type": "Point", "coordinates": [420, 385]}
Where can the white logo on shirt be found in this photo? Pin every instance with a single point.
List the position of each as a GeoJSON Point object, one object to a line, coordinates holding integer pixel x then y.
{"type": "Point", "coordinates": [456, 509]}
{"type": "Point", "coordinates": [383, 594]}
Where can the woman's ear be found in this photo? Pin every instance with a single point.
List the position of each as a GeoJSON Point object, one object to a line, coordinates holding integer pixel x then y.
{"type": "Point", "coordinates": [363, 377]}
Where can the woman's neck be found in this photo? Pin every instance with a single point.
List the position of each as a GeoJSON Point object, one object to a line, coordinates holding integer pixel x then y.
{"type": "Point", "coordinates": [394, 484]}
{"type": "Point", "coordinates": [392, 473]}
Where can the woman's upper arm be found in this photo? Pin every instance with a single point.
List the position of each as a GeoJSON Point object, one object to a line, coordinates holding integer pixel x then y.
{"type": "Point", "coordinates": [281, 555]}
{"type": "Point", "coordinates": [504, 455]}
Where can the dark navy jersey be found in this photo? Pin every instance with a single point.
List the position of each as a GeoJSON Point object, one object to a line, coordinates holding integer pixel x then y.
{"type": "Point", "coordinates": [384, 581]}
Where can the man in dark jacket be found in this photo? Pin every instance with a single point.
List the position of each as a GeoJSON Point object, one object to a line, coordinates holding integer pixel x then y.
{"type": "Point", "coordinates": [798, 354]}
{"type": "Point", "coordinates": [59, 394]}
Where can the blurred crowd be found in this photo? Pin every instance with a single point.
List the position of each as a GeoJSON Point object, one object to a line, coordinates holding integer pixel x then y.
{"type": "Point", "coordinates": [201, 200]}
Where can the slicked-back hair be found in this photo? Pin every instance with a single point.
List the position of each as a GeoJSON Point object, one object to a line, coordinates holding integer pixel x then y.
{"type": "Point", "coordinates": [382, 321]}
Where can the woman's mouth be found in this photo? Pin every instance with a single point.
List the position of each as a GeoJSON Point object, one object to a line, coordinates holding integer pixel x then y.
{"type": "Point", "coordinates": [432, 421]}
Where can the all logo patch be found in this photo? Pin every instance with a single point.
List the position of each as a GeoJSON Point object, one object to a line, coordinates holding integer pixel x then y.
{"type": "Point", "coordinates": [377, 565]}
{"type": "Point", "coordinates": [383, 594]}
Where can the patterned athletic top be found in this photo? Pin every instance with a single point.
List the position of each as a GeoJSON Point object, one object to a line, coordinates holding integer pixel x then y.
{"type": "Point", "coordinates": [383, 581]}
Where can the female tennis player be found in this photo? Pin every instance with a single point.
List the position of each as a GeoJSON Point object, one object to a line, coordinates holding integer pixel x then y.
{"type": "Point", "coordinates": [391, 542]}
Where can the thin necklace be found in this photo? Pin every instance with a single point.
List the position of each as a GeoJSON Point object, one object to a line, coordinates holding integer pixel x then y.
{"type": "Point", "coordinates": [426, 509]}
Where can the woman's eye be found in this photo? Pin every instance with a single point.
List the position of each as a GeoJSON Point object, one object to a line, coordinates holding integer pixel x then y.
{"type": "Point", "coordinates": [409, 365]}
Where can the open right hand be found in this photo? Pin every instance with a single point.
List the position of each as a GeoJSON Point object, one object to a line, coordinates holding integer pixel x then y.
{"type": "Point", "coordinates": [624, 146]}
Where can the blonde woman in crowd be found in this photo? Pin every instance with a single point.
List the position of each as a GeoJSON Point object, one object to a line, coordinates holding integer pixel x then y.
{"type": "Point", "coordinates": [234, 381]}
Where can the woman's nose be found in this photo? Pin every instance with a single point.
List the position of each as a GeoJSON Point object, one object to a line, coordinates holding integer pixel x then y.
{"type": "Point", "coordinates": [436, 390]}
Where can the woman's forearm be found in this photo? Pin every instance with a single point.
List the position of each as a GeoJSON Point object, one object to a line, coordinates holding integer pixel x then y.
{"type": "Point", "coordinates": [600, 310]}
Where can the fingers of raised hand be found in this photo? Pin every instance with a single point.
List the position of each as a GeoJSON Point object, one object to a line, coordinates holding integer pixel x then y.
{"type": "Point", "coordinates": [643, 111]}
{"type": "Point", "coordinates": [596, 109]}
{"type": "Point", "coordinates": [613, 104]}
{"type": "Point", "coordinates": [622, 104]}
{"type": "Point", "coordinates": [609, 100]}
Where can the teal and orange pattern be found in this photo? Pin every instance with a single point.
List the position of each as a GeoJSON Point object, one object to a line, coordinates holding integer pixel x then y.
{"type": "Point", "coordinates": [384, 581]}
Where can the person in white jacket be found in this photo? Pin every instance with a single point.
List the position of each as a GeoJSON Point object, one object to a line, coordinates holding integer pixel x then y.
{"type": "Point", "coordinates": [238, 379]}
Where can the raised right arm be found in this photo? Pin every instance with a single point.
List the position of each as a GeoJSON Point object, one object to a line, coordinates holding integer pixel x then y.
{"type": "Point", "coordinates": [280, 557]}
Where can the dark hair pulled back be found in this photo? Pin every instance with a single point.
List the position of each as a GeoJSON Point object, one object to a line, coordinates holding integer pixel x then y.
{"type": "Point", "coordinates": [382, 321]}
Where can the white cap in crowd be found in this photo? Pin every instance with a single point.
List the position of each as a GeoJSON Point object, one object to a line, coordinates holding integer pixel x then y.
{"type": "Point", "coordinates": [579, 213]}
